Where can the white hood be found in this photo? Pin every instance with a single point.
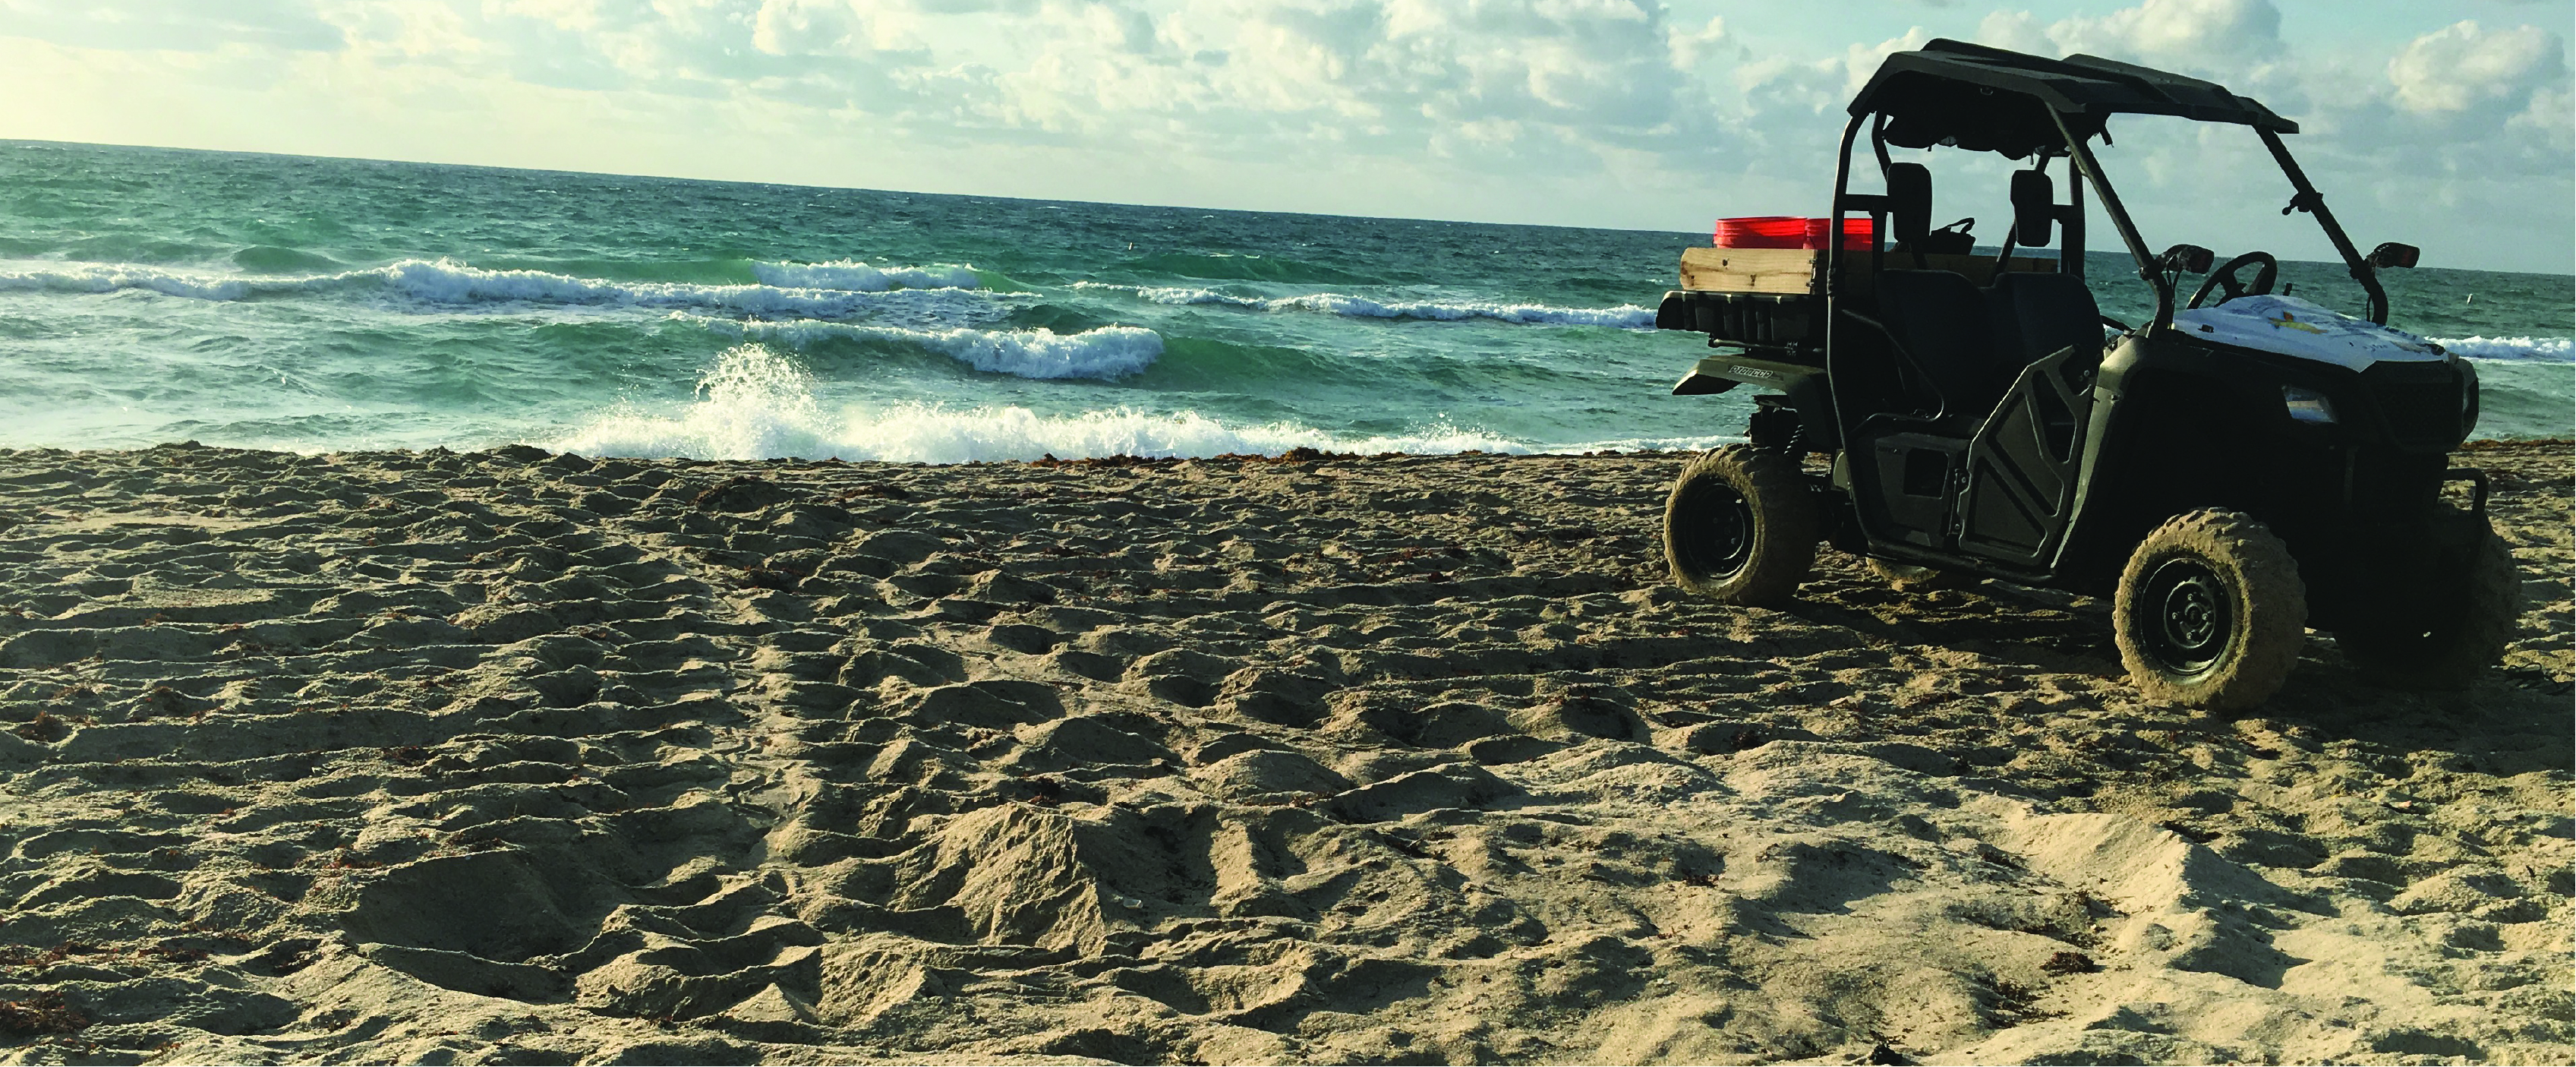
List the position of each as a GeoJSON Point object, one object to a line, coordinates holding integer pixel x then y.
{"type": "Point", "coordinates": [2294, 327]}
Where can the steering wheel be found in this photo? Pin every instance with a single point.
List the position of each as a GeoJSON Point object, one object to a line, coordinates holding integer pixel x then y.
{"type": "Point", "coordinates": [2225, 277]}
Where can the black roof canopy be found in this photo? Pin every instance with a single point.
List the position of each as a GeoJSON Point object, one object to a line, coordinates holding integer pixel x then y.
{"type": "Point", "coordinates": [1990, 100]}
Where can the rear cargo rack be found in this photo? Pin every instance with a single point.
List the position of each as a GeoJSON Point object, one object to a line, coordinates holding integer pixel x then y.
{"type": "Point", "coordinates": [1744, 318]}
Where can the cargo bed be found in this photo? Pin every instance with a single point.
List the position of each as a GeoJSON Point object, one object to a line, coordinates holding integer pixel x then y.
{"type": "Point", "coordinates": [1771, 296]}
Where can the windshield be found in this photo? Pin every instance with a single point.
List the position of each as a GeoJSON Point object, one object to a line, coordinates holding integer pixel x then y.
{"type": "Point", "coordinates": [2234, 191]}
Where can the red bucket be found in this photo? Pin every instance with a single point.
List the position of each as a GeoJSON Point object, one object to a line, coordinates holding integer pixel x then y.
{"type": "Point", "coordinates": [1762, 231]}
{"type": "Point", "coordinates": [1856, 233]}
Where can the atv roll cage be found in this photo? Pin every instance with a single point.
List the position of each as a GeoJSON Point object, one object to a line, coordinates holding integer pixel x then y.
{"type": "Point", "coordinates": [1981, 99]}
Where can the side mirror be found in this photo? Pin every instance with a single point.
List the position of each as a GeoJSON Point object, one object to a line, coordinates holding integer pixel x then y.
{"type": "Point", "coordinates": [1909, 202]}
{"type": "Point", "coordinates": [2034, 204]}
{"type": "Point", "coordinates": [2394, 254]}
{"type": "Point", "coordinates": [2188, 259]}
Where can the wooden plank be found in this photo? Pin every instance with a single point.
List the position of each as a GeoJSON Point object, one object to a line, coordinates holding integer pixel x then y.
{"type": "Point", "coordinates": [1749, 270]}
{"type": "Point", "coordinates": [1792, 271]}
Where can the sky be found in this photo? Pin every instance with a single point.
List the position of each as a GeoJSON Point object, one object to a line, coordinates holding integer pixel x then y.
{"type": "Point", "coordinates": [2443, 123]}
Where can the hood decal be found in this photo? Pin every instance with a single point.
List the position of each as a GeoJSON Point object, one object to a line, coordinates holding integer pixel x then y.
{"type": "Point", "coordinates": [2295, 327]}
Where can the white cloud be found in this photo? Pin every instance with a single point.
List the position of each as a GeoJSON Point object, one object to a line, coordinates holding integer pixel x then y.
{"type": "Point", "coordinates": [2184, 34]}
{"type": "Point", "coordinates": [1548, 83]}
{"type": "Point", "coordinates": [2552, 114]}
{"type": "Point", "coordinates": [175, 25]}
{"type": "Point", "coordinates": [2019, 31]}
{"type": "Point", "coordinates": [2461, 67]}
{"type": "Point", "coordinates": [1861, 61]}
{"type": "Point", "coordinates": [1690, 48]}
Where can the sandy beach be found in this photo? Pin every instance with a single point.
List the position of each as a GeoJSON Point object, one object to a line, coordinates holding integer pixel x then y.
{"type": "Point", "coordinates": [512, 757]}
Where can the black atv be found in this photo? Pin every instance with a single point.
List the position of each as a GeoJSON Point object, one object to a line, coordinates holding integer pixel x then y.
{"type": "Point", "coordinates": [2240, 467]}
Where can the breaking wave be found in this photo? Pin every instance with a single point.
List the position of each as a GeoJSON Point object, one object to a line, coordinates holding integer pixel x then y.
{"type": "Point", "coordinates": [853, 276]}
{"type": "Point", "coordinates": [1625, 316]}
{"type": "Point", "coordinates": [2521, 349]}
{"type": "Point", "coordinates": [1106, 353]}
{"type": "Point", "coordinates": [756, 404]}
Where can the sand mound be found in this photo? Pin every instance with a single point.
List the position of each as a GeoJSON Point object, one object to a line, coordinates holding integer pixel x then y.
{"type": "Point", "coordinates": [514, 757]}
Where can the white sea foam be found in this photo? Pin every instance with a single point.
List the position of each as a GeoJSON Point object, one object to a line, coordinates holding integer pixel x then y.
{"type": "Point", "coordinates": [1107, 352]}
{"type": "Point", "coordinates": [110, 277]}
{"type": "Point", "coordinates": [2519, 349]}
{"type": "Point", "coordinates": [446, 282]}
{"type": "Point", "coordinates": [754, 403]}
{"type": "Point", "coordinates": [817, 289]}
{"type": "Point", "coordinates": [854, 276]}
{"type": "Point", "coordinates": [1625, 316]}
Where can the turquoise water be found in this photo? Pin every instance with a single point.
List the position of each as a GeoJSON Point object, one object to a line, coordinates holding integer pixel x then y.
{"type": "Point", "coordinates": [152, 295]}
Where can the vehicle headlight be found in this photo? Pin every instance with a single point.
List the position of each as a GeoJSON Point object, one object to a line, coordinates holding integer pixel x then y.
{"type": "Point", "coordinates": [2307, 405]}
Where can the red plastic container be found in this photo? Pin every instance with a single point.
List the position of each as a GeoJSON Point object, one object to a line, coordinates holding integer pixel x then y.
{"type": "Point", "coordinates": [1856, 233]}
{"type": "Point", "coordinates": [1763, 231]}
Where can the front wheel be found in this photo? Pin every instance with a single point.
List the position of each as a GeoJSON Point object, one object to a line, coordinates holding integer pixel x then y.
{"type": "Point", "coordinates": [1739, 528]}
{"type": "Point", "coordinates": [2448, 646]}
{"type": "Point", "coordinates": [2210, 611]}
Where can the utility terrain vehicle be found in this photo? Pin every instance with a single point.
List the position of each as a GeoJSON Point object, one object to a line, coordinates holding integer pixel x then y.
{"type": "Point", "coordinates": [2235, 469]}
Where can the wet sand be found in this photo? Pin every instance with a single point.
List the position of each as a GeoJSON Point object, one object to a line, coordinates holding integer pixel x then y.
{"type": "Point", "coordinates": [509, 757]}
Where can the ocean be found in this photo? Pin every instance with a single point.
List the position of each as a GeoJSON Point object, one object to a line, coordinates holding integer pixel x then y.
{"type": "Point", "coordinates": [154, 295]}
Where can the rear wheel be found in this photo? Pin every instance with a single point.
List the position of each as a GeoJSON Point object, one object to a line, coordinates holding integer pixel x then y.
{"type": "Point", "coordinates": [2210, 611]}
{"type": "Point", "coordinates": [2448, 646]}
{"type": "Point", "coordinates": [1738, 527]}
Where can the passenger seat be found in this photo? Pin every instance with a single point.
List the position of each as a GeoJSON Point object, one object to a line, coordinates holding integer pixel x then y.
{"type": "Point", "coordinates": [1942, 319]}
{"type": "Point", "coordinates": [2034, 316]}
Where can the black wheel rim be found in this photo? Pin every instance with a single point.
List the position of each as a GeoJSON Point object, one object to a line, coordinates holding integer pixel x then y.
{"type": "Point", "coordinates": [2185, 616]}
{"type": "Point", "coordinates": [1719, 542]}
